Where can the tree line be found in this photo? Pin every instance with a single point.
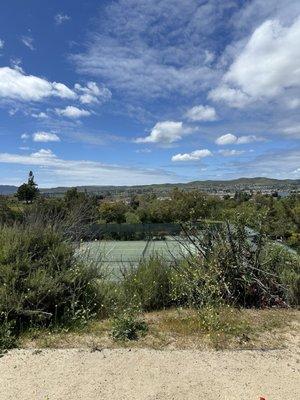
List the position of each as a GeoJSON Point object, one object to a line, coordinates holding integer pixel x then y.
{"type": "Point", "coordinates": [277, 217]}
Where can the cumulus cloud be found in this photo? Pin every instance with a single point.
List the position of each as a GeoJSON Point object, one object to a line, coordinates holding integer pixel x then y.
{"type": "Point", "coordinates": [28, 42]}
{"type": "Point", "coordinates": [201, 113]}
{"type": "Point", "coordinates": [267, 66]}
{"type": "Point", "coordinates": [25, 136]}
{"type": "Point", "coordinates": [72, 112]}
{"type": "Point", "coordinates": [45, 137]}
{"type": "Point", "coordinates": [16, 85]}
{"type": "Point", "coordinates": [57, 171]}
{"type": "Point", "coordinates": [226, 139]}
{"type": "Point", "coordinates": [229, 138]}
{"type": "Point", "coordinates": [193, 156]}
{"type": "Point", "coordinates": [61, 18]}
{"type": "Point", "coordinates": [165, 133]}
{"type": "Point", "coordinates": [93, 93]}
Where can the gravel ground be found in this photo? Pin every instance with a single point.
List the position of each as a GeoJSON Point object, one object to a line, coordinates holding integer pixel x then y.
{"type": "Point", "coordinates": [149, 374]}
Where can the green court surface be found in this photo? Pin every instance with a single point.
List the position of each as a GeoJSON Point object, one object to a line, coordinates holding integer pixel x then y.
{"type": "Point", "coordinates": [113, 256]}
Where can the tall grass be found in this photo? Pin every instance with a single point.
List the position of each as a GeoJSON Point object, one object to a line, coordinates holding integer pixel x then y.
{"type": "Point", "coordinates": [149, 285]}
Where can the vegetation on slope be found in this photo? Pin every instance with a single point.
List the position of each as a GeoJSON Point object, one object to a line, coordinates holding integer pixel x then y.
{"type": "Point", "coordinates": [45, 285]}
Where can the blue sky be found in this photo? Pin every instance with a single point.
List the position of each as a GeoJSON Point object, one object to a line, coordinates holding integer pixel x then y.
{"type": "Point", "coordinates": [148, 91]}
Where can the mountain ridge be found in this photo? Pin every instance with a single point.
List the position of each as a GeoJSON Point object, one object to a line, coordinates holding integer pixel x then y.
{"type": "Point", "coordinates": [239, 183]}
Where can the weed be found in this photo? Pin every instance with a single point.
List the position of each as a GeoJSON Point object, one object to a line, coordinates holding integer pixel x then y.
{"type": "Point", "coordinates": [127, 326]}
{"type": "Point", "coordinates": [7, 337]}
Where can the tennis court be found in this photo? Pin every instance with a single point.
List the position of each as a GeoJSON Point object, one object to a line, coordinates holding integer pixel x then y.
{"type": "Point", "coordinates": [115, 255]}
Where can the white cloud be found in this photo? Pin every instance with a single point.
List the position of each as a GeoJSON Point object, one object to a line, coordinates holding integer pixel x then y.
{"type": "Point", "coordinates": [72, 112]}
{"type": "Point", "coordinates": [267, 66]}
{"type": "Point", "coordinates": [143, 151]}
{"type": "Point", "coordinates": [56, 171]}
{"type": "Point", "coordinates": [93, 93]}
{"type": "Point", "coordinates": [202, 113]}
{"type": "Point", "coordinates": [61, 18]}
{"type": "Point", "coordinates": [63, 91]}
{"type": "Point", "coordinates": [165, 133]}
{"type": "Point", "coordinates": [193, 156]}
{"type": "Point", "coordinates": [45, 137]}
{"type": "Point", "coordinates": [28, 42]}
{"type": "Point", "coordinates": [209, 57]}
{"type": "Point", "coordinates": [14, 84]}
{"type": "Point", "coordinates": [226, 139]}
{"type": "Point", "coordinates": [16, 64]}
{"type": "Point", "coordinates": [229, 153]}
{"type": "Point", "coordinates": [254, 12]}
{"type": "Point", "coordinates": [233, 97]}
{"type": "Point", "coordinates": [153, 48]}
{"type": "Point", "coordinates": [25, 136]}
{"type": "Point", "coordinates": [293, 131]}
{"type": "Point", "coordinates": [40, 115]}
{"type": "Point", "coordinates": [279, 164]}
{"type": "Point", "coordinates": [249, 139]}
{"type": "Point", "coordinates": [1, 43]}
{"type": "Point", "coordinates": [293, 103]}
{"type": "Point", "coordinates": [232, 139]}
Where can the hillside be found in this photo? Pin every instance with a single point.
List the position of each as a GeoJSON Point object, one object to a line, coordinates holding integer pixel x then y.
{"type": "Point", "coordinates": [210, 186]}
{"type": "Point", "coordinates": [7, 189]}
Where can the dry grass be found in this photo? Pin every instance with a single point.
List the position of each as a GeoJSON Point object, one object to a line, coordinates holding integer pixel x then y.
{"type": "Point", "coordinates": [226, 328]}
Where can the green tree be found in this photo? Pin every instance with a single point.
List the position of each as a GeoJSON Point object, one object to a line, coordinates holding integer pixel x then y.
{"type": "Point", "coordinates": [72, 196]}
{"type": "Point", "coordinates": [28, 191]}
{"type": "Point", "coordinates": [113, 212]}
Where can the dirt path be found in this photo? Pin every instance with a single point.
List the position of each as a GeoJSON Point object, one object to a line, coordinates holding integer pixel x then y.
{"type": "Point", "coordinates": [149, 374]}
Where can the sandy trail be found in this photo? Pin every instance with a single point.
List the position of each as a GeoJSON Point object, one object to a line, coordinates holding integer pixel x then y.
{"type": "Point", "coordinates": [149, 374]}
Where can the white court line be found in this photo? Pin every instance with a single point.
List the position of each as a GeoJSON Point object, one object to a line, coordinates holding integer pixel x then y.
{"type": "Point", "coordinates": [110, 250]}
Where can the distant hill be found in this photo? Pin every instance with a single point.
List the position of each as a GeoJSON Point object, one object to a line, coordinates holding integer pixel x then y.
{"type": "Point", "coordinates": [210, 186]}
{"type": "Point", "coordinates": [7, 189]}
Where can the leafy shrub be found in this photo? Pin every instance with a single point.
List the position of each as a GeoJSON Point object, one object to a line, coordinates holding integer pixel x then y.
{"type": "Point", "coordinates": [7, 214]}
{"type": "Point", "coordinates": [286, 265]}
{"type": "Point", "coordinates": [127, 326]}
{"type": "Point", "coordinates": [234, 266]}
{"type": "Point", "coordinates": [193, 285]}
{"type": "Point", "coordinates": [7, 336]}
{"type": "Point", "coordinates": [41, 282]}
{"type": "Point", "coordinates": [149, 285]}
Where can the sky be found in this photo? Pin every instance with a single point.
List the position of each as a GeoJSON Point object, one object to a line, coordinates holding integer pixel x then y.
{"type": "Point", "coordinates": [130, 92]}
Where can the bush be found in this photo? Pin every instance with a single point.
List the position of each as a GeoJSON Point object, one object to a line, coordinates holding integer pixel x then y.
{"type": "Point", "coordinates": [232, 266]}
{"type": "Point", "coordinates": [127, 326]}
{"type": "Point", "coordinates": [7, 214]}
{"type": "Point", "coordinates": [194, 285]}
{"type": "Point", "coordinates": [41, 282]}
{"type": "Point", "coordinates": [149, 285]}
{"type": "Point", "coordinates": [286, 265]}
{"type": "Point", "coordinates": [7, 336]}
